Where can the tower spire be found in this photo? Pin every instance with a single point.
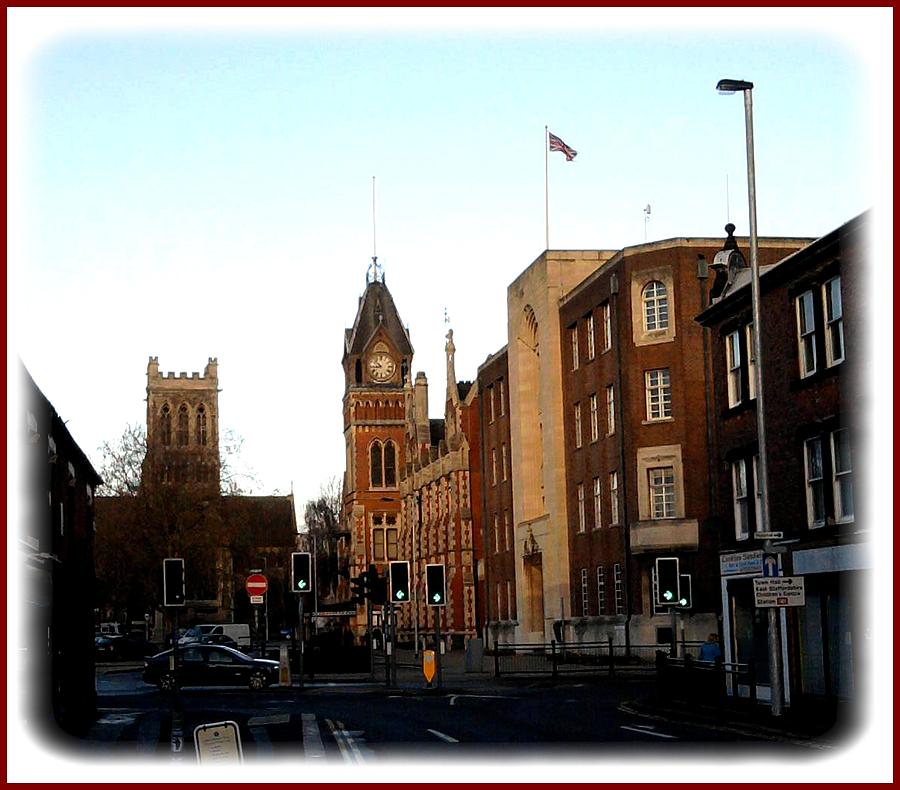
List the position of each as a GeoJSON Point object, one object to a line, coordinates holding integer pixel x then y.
{"type": "Point", "coordinates": [375, 272]}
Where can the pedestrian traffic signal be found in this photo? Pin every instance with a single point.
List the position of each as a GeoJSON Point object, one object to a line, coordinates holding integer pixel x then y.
{"type": "Point", "coordinates": [301, 572]}
{"type": "Point", "coordinates": [399, 576]}
{"type": "Point", "coordinates": [684, 599]}
{"type": "Point", "coordinates": [667, 581]}
{"type": "Point", "coordinates": [173, 581]}
{"type": "Point", "coordinates": [435, 586]}
{"type": "Point", "coordinates": [359, 588]}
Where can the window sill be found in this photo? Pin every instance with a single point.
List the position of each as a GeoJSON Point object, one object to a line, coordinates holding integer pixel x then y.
{"type": "Point", "coordinates": [657, 420]}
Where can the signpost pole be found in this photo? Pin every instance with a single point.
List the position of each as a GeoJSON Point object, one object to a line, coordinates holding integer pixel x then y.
{"type": "Point", "coordinates": [438, 652]}
{"type": "Point", "coordinates": [776, 679]}
{"type": "Point", "coordinates": [387, 611]}
{"type": "Point", "coordinates": [300, 628]}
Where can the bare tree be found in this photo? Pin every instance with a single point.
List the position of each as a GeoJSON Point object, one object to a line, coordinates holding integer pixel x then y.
{"type": "Point", "coordinates": [323, 523]}
{"type": "Point", "coordinates": [139, 522]}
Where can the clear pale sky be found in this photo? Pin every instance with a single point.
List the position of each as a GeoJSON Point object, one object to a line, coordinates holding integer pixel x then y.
{"type": "Point", "coordinates": [196, 184]}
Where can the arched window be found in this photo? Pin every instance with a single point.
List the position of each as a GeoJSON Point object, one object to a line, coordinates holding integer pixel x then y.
{"type": "Point", "coordinates": [182, 433]}
{"type": "Point", "coordinates": [383, 464]}
{"type": "Point", "coordinates": [165, 425]}
{"type": "Point", "coordinates": [375, 467]}
{"type": "Point", "coordinates": [390, 464]}
{"type": "Point", "coordinates": [201, 425]}
{"type": "Point", "coordinates": [656, 306]}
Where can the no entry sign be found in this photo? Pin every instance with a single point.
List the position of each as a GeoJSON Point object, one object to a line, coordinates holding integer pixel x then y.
{"type": "Point", "coordinates": [256, 584]}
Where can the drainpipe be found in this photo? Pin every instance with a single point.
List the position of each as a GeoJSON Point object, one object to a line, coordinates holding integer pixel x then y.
{"type": "Point", "coordinates": [623, 488]}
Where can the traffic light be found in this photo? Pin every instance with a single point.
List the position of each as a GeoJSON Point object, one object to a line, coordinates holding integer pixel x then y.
{"type": "Point", "coordinates": [667, 592]}
{"type": "Point", "coordinates": [301, 572]}
{"type": "Point", "coordinates": [378, 589]}
{"type": "Point", "coordinates": [435, 587]}
{"type": "Point", "coordinates": [685, 600]}
{"type": "Point", "coordinates": [359, 588]}
{"type": "Point", "coordinates": [399, 575]}
{"type": "Point", "coordinates": [173, 581]}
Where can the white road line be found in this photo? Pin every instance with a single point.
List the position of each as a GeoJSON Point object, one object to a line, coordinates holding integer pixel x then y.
{"type": "Point", "coordinates": [454, 697]}
{"type": "Point", "coordinates": [647, 732]}
{"type": "Point", "coordinates": [349, 750]}
{"type": "Point", "coordinates": [275, 718]}
{"type": "Point", "coordinates": [444, 737]}
{"type": "Point", "coordinates": [312, 738]}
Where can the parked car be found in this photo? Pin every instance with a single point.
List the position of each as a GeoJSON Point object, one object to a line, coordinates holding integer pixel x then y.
{"type": "Point", "coordinates": [239, 632]}
{"type": "Point", "coordinates": [126, 646]}
{"type": "Point", "coordinates": [210, 665]}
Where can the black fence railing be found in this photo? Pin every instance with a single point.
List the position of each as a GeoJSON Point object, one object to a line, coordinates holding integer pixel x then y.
{"type": "Point", "coordinates": [555, 658]}
{"type": "Point", "coordinates": [710, 683]}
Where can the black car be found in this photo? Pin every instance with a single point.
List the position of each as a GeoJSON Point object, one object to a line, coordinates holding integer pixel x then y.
{"type": "Point", "coordinates": [210, 665]}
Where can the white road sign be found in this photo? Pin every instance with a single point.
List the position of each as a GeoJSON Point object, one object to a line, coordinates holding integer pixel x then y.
{"type": "Point", "coordinates": [779, 591]}
{"type": "Point", "coordinates": [219, 742]}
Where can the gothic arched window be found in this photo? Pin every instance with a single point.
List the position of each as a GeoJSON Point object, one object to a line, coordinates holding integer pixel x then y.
{"type": "Point", "coordinates": [165, 425]}
{"type": "Point", "coordinates": [375, 466]}
{"type": "Point", "coordinates": [656, 306]}
{"type": "Point", "coordinates": [181, 435]}
{"type": "Point", "coordinates": [201, 426]}
{"type": "Point", "coordinates": [383, 464]}
{"type": "Point", "coordinates": [390, 464]}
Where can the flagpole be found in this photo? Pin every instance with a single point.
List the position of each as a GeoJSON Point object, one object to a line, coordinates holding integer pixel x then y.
{"type": "Point", "coordinates": [546, 190]}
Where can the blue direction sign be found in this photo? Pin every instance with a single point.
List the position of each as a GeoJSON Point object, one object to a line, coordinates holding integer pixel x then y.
{"type": "Point", "coordinates": [770, 566]}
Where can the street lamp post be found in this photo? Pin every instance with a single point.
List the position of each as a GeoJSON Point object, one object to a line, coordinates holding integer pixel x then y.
{"type": "Point", "coordinates": [775, 666]}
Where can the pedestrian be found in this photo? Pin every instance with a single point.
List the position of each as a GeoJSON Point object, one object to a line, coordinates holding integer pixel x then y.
{"type": "Point", "coordinates": [709, 650]}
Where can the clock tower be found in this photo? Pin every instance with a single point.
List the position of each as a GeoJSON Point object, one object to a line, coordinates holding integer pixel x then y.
{"type": "Point", "coordinates": [377, 359]}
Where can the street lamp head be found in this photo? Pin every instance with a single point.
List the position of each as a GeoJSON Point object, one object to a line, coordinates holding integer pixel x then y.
{"type": "Point", "coordinates": [733, 86]}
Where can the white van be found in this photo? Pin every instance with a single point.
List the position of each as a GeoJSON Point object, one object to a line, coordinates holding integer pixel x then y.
{"type": "Point", "coordinates": [239, 632]}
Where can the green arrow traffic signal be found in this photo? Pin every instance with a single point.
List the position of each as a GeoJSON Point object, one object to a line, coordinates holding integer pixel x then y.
{"type": "Point", "coordinates": [436, 598]}
{"type": "Point", "coordinates": [400, 594]}
{"type": "Point", "coordinates": [668, 595]}
{"type": "Point", "coordinates": [301, 584]}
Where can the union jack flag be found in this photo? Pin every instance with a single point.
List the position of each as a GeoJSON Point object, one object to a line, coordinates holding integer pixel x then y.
{"type": "Point", "coordinates": [558, 145]}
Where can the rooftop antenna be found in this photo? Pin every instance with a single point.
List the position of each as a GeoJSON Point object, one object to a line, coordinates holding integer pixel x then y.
{"type": "Point", "coordinates": [646, 219]}
{"type": "Point", "coordinates": [374, 270]}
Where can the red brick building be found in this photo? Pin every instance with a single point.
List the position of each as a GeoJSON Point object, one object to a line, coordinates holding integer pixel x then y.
{"type": "Point", "coordinates": [813, 351]}
{"type": "Point", "coordinates": [441, 489]}
{"type": "Point", "coordinates": [499, 561]}
{"type": "Point", "coordinates": [377, 359]}
{"type": "Point", "coordinates": [635, 390]}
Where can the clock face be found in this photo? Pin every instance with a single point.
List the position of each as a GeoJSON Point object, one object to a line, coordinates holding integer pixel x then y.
{"type": "Point", "coordinates": [381, 367]}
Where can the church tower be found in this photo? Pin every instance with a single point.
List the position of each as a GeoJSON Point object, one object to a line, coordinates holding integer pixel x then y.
{"type": "Point", "coordinates": [183, 427]}
{"type": "Point", "coordinates": [377, 359]}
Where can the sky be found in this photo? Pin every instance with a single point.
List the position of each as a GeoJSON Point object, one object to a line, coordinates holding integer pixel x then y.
{"type": "Point", "coordinates": [199, 183]}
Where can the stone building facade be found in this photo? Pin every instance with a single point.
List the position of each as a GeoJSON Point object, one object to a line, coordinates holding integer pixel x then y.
{"type": "Point", "coordinates": [183, 427]}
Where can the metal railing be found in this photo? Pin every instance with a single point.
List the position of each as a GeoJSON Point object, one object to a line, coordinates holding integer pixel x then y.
{"type": "Point", "coordinates": [555, 658]}
{"type": "Point", "coordinates": [703, 682]}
